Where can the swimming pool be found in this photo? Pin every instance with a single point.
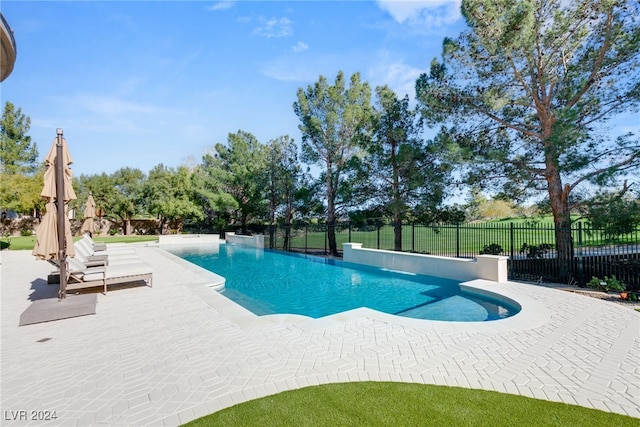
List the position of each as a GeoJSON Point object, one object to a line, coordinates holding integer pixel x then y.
{"type": "Point", "coordinates": [270, 282]}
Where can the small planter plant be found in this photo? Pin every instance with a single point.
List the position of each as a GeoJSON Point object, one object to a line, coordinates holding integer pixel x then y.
{"type": "Point", "coordinates": [610, 284]}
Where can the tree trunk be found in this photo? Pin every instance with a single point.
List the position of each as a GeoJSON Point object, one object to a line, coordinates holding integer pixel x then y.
{"type": "Point", "coordinates": [243, 225]}
{"type": "Point", "coordinates": [272, 218]}
{"type": "Point", "coordinates": [287, 223]}
{"type": "Point", "coordinates": [397, 212]}
{"type": "Point", "coordinates": [558, 197]}
{"type": "Point", "coordinates": [272, 236]}
{"type": "Point", "coordinates": [127, 226]}
{"type": "Point", "coordinates": [331, 211]}
{"type": "Point", "coordinates": [331, 234]}
{"type": "Point", "coordinates": [272, 232]}
{"type": "Point", "coordinates": [287, 233]}
{"type": "Point", "coordinates": [163, 226]}
{"type": "Point", "coordinates": [397, 227]}
{"type": "Point", "coordinates": [397, 234]}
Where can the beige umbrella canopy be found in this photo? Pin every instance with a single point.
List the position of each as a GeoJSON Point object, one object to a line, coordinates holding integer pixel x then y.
{"type": "Point", "coordinates": [53, 236]}
{"type": "Point", "coordinates": [49, 189]}
{"type": "Point", "coordinates": [47, 234]}
{"type": "Point", "coordinates": [47, 247]}
{"type": "Point", "coordinates": [89, 213]}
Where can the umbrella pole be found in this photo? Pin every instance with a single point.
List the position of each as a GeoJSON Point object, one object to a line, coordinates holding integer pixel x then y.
{"type": "Point", "coordinates": [62, 253]}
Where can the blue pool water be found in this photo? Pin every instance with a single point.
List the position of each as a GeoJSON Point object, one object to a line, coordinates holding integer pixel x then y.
{"type": "Point", "coordinates": [268, 282]}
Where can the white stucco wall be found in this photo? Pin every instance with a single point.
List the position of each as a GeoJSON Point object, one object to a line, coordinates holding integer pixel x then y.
{"type": "Point", "coordinates": [489, 267]}
{"type": "Point", "coordinates": [255, 241]}
{"type": "Point", "coordinates": [188, 239]}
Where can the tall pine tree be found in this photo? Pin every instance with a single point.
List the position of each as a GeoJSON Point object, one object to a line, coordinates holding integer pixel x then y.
{"type": "Point", "coordinates": [526, 94]}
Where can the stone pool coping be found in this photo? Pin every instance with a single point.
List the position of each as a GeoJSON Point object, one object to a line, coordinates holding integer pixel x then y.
{"type": "Point", "coordinates": [532, 313]}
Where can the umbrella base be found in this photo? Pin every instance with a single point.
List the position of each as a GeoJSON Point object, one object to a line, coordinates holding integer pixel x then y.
{"type": "Point", "coordinates": [50, 309]}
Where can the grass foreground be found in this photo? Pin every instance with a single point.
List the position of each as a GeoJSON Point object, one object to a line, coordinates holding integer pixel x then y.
{"type": "Point", "coordinates": [404, 404]}
{"type": "Point", "coordinates": [28, 242]}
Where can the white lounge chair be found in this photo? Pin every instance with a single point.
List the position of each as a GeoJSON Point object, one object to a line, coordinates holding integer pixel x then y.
{"type": "Point", "coordinates": [100, 246]}
{"type": "Point", "coordinates": [111, 258]}
{"type": "Point", "coordinates": [89, 251]}
{"type": "Point", "coordinates": [81, 276]}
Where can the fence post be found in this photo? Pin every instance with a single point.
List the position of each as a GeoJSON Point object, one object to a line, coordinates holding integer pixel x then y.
{"type": "Point", "coordinates": [287, 230]}
{"type": "Point", "coordinates": [378, 234]}
{"type": "Point", "coordinates": [326, 237]}
{"type": "Point", "coordinates": [271, 236]}
{"type": "Point", "coordinates": [580, 258]}
{"type": "Point", "coordinates": [457, 240]}
{"type": "Point", "coordinates": [306, 236]}
{"type": "Point", "coordinates": [511, 236]}
{"type": "Point", "coordinates": [413, 236]}
{"type": "Point", "coordinates": [349, 231]}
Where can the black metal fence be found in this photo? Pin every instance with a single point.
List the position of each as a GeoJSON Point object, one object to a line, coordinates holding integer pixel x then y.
{"type": "Point", "coordinates": [530, 247]}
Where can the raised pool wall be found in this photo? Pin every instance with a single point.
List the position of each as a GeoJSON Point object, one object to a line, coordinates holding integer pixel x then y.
{"type": "Point", "coordinates": [188, 239]}
{"type": "Point", "coordinates": [255, 241]}
{"type": "Point", "coordinates": [488, 267]}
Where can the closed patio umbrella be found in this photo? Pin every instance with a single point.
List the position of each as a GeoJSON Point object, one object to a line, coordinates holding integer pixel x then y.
{"type": "Point", "coordinates": [89, 213]}
{"type": "Point", "coordinates": [47, 245]}
{"type": "Point", "coordinates": [53, 236]}
{"type": "Point", "coordinates": [49, 189]}
{"type": "Point", "coordinates": [47, 234]}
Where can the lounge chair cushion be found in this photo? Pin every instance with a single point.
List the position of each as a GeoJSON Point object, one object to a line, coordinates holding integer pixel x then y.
{"type": "Point", "coordinates": [89, 251]}
{"type": "Point", "coordinates": [116, 271]}
{"type": "Point", "coordinates": [84, 253]}
{"type": "Point", "coordinates": [82, 276]}
{"type": "Point", "coordinates": [100, 246]}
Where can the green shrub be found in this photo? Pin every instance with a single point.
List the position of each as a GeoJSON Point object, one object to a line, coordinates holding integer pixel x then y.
{"type": "Point", "coordinates": [26, 232]}
{"type": "Point", "coordinates": [492, 249]}
{"type": "Point", "coordinates": [536, 251]}
{"type": "Point", "coordinates": [608, 284]}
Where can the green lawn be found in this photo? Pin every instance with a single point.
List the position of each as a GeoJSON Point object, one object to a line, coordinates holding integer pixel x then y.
{"type": "Point", "coordinates": [28, 242]}
{"type": "Point", "coordinates": [466, 240]}
{"type": "Point", "coordinates": [402, 404]}
{"type": "Point", "coordinates": [440, 240]}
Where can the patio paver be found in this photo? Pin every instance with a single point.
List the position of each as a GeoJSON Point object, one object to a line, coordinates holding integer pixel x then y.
{"type": "Point", "coordinates": [179, 350]}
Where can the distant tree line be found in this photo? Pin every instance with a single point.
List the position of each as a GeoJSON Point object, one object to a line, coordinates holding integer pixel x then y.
{"type": "Point", "coordinates": [372, 158]}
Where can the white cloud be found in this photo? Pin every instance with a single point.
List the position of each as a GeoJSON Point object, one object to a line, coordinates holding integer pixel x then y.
{"type": "Point", "coordinates": [290, 68]}
{"type": "Point", "coordinates": [274, 27]}
{"type": "Point", "coordinates": [396, 74]}
{"type": "Point", "coordinates": [222, 5]}
{"type": "Point", "coordinates": [430, 12]}
{"type": "Point", "coordinates": [300, 47]}
{"type": "Point", "coordinates": [288, 71]}
{"type": "Point", "coordinates": [113, 106]}
{"type": "Point", "coordinates": [109, 114]}
{"type": "Point", "coordinates": [377, 68]}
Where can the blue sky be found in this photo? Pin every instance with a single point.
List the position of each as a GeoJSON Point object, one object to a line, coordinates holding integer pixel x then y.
{"type": "Point", "coordinates": [136, 84]}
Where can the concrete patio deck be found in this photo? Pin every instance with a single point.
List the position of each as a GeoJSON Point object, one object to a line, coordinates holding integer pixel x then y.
{"type": "Point", "coordinates": [175, 352]}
